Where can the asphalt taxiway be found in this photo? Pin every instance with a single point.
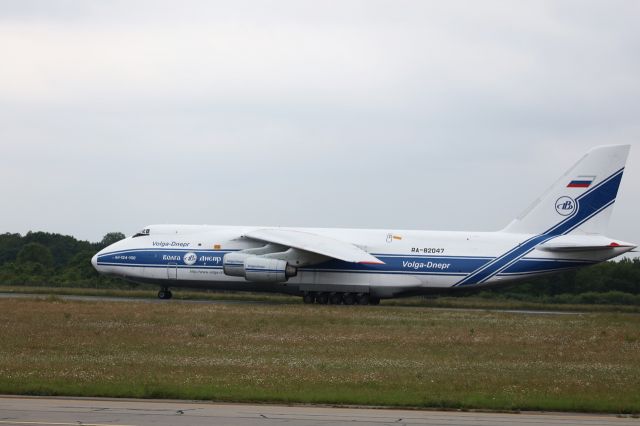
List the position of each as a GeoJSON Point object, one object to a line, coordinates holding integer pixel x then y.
{"type": "Point", "coordinates": [20, 411]}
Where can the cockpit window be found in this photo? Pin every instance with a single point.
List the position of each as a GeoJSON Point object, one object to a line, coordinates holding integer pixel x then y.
{"type": "Point", "coordinates": [142, 233]}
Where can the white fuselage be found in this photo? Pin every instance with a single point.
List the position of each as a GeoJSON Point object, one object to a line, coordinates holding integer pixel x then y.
{"type": "Point", "coordinates": [415, 262]}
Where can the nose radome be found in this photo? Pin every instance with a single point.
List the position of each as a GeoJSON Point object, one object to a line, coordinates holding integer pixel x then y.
{"type": "Point", "coordinates": [94, 261]}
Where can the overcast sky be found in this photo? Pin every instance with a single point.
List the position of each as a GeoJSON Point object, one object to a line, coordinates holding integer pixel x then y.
{"type": "Point", "coordinates": [447, 115]}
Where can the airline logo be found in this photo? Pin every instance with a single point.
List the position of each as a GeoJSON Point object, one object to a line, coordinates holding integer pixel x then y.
{"type": "Point", "coordinates": [565, 206]}
{"type": "Point", "coordinates": [190, 258]}
{"type": "Point", "coordinates": [581, 182]}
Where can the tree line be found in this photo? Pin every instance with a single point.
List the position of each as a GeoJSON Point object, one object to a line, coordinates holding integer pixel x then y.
{"type": "Point", "coordinates": [46, 259]}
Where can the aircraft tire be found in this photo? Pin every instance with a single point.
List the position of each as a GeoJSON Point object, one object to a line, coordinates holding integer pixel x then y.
{"type": "Point", "coordinates": [374, 300]}
{"type": "Point", "coordinates": [322, 298]}
{"type": "Point", "coordinates": [363, 299]}
{"type": "Point", "coordinates": [335, 298]}
{"type": "Point", "coordinates": [348, 299]}
{"type": "Point", "coordinates": [165, 294]}
{"type": "Point", "coordinates": [308, 298]}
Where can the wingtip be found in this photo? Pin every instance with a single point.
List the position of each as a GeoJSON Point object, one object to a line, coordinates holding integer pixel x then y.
{"type": "Point", "coordinates": [379, 262]}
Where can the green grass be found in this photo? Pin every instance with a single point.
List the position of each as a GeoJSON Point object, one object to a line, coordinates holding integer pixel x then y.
{"type": "Point", "coordinates": [385, 355]}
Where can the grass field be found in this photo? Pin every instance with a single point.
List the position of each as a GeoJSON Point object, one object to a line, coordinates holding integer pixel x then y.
{"type": "Point", "coordinates": [381, 355]}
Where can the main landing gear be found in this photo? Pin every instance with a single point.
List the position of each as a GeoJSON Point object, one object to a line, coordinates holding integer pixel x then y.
{"type": "Point", "coordinates": [164, 293]}
{"type": "Point", "coordinates": [324, 298]}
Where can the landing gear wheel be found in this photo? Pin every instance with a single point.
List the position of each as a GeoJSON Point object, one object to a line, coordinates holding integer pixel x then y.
{"type": "Point", "coordinates": [349, 299]}
{"type": "Point", "coordinates": [374, 300]}
{"type": "Point", "coordinates": [322, 298]}
{"type": "Point", "coordinates": [335, 298]}
{"type": "Point", "coordinates": [164, 294]}
{"type": "Point", "coordinates": [308, 298]}
{"type": "Point", "coordinates": [363, 299]}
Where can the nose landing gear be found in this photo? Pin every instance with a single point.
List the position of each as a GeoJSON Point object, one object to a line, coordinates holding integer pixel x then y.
{"type": "Point", "coordinates": [164, 293]}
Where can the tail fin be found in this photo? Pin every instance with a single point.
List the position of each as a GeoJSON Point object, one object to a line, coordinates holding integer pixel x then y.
{"type": "Point", "coordinates": [581, 201]}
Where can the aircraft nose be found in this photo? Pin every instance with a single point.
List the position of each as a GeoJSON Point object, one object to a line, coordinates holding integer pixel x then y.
{"type": "Point", "coordinates": [94, 261]}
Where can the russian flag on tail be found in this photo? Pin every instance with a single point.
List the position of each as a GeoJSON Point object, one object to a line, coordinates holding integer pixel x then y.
{"type": "Point", "coordinates": [581, 182]}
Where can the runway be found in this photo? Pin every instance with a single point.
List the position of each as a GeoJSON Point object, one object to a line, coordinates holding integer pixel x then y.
{"type": "Point", "coordinates": [115, 412]}
{"type": "Point", "coordinates": [258, 302]}
{"type": "Point", "coordinates": [75, 298]}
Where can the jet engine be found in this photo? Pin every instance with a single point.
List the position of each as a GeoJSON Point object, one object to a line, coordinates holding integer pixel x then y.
{"type": "Point", "coordinates": [257, 268]}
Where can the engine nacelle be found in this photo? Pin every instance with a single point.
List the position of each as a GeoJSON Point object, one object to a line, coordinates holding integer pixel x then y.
{"type": "Point", "coordinates": [263, 269]}
{"type": "Point", "coordinates": [233, 264]}
{"type": "Point", "coordinates": [257, 268]}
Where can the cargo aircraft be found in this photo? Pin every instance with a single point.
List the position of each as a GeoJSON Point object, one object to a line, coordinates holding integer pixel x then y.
{"type": "Point", "coordinates": [562, 230]}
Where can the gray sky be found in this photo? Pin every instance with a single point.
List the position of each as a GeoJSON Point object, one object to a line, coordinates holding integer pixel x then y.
{"type": "Point", "coordinates": [393, 114]}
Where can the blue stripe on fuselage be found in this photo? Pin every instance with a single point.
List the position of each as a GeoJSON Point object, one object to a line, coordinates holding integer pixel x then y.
{"type": "Point", "coordinates": [394, 263]}
{"type": "Point", "coordinates": [451, 265]}
{"type": "Point", "coordinates": [156, 257]}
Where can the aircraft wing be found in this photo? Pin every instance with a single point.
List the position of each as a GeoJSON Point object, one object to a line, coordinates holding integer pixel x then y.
{"type": "Point", "coordinates": [314, 243]}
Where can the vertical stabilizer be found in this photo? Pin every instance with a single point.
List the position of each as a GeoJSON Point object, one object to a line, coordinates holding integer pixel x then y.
{"type": "Point", "coordinates": [581, 201]}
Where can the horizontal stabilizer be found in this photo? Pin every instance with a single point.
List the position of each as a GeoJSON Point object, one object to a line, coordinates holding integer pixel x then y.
{"type": "Point", "coordinates": [580, 248]}
{"type": "Point", "coordinates": [314, 243]}
{"type": "Point", "coordinates": [579, 243]}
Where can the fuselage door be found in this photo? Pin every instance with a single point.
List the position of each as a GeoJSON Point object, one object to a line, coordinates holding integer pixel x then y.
{"type": "Point", "coordinates": [172, 271]}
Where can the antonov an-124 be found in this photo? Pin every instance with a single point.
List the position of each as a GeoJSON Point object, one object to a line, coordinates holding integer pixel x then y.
{"type": "Point", "coordinates": [562, 230]}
